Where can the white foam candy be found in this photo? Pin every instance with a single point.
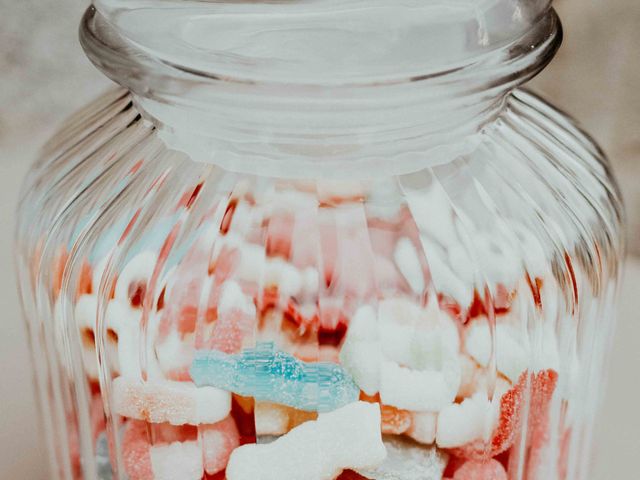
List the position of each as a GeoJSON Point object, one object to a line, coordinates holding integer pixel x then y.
{"type": "Point", "coordinates": [407, 353]}
{"type": "Point", "coordinates": [175, 352]}
{"type": "Point", "coordinates": [418, 390]}
{"type": "Point", "coordinates": [473, 419]}
{"type": "Point", "coordinates": [177, 403]}
{"type": "Point", "coordinates": [406, 258]}
{"type": "Point", "coordinates": [407, 460]}
{"type": "Point", "coordinates": [361, 354]}
{"type": "Point", "coordinates": [423, 427]}
{"type": "Point", "coordinates": [347, 438]}
{"type": "Point", "coordinates": [271, 418]}
{"type": "Point", "coordinates": [511, 349]}
{"type": "Point", "coordinates": [177, 460]}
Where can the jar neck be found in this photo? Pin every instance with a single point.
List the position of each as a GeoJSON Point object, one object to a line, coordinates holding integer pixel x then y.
{"type": "Point", "coordinates": [279, 128]}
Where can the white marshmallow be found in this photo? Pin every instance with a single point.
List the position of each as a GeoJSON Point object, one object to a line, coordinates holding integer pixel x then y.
{"type": "Point", "coordinates": [177, 403]}
{"type": "Point", "coordinates": [473, 419]}
{"type": "Point", "coordinates": [512, 352]}
{"type": "Point", "coordinates": [361, 355]}
{"type": "Point", "coordinates": [404, 351]}
{"type": "Point", "coordinates": [345, 438]}
{"type": "Point", "coordinates": [177, 460]}
{"type": "Point", "coordinates": [419, 390]}
{"type": "Point", "coordinates": [423, 427]}
{"type": "Point", "coordinates": [271, 418]}
{"type": "Point", "coordinates": [174, 353]}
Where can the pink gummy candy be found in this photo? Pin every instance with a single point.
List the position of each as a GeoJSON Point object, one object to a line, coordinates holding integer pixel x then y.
{"type": "Point", "coordinates": [136, 445]}
{"type": "Point", "coordinates": [136, 451]}
{"type": "Point", "coordinates": [230, 330]}
{"type": "Point", "coordinates": [487, 470]}
{"type": "Point", "coordinates": [542, 388]}
{"type": "Point", "coordinates": [218, 441]}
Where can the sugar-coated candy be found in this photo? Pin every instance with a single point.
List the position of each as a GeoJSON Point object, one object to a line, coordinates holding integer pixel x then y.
{"type": "Point", "coordinates": [418, 390]}
{"type": "Point", "coordinates": [481, 470]}
{"type": "Point", "coordinates": [276, 419]}
{"type": "Point", "coordinates": [460, 423]}
{"type": "Point", "coordinates": [407, 353]}
{"type": "Point", "coordinates": [511, 353]}
{"type": "Point", "coordinates": [271, 418]}
{"type": "Point", "coordinates": [218, 441]}
{"type": "Point", "coordinates": [394, 420]}
{"type": "Point", "coordinates": [347, 438]}
{"type": "Point", "coordinates": [236, 319]}
{"type": "Point", "coordinates": [177, 403]}
{"type": "Point", "coordinates": [274, 376]}
{"type": "Point", "coordinates": [542, 386]}
{"type": "Point", "coordinates": [423, 427]}
{"type": "Point", "coordinates": [361, 354]}
{"type": "Point", "coordinates": [136, 451]}
{"type": "Point", "coordinates": [173, 455]}
{"type": "Point", "coordinates": [177, 460]}
{"type": "Point", "coordinates": [407, 460]}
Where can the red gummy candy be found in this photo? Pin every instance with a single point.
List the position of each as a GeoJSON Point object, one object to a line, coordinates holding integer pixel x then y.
{"type": "Point", "coordinates": [487, 470]}
{"type": "Point", "coordinates": [542, 387]}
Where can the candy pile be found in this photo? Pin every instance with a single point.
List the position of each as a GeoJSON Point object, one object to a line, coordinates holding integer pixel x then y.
{"type": "Point", "coordinates": [306, 336]}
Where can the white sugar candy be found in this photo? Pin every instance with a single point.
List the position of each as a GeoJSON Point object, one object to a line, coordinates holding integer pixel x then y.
{"type": "Point", "coordinates": [361, 354]}
{"type": "Point", "coordinates": [271, 418]}
{"type": "Point", "coordinates": [511, 349]}
{"type": "Point", "coordinates": [177, 403]}
{"type": "Point", "coordinates": [423, 427]}
{"type": "Point", "coordinates": [419, 390]}
{"type": "Point", "coordinates": [347, 438]}
{"type": "Point", "coordinates": [177, 460]}
{"type": "Point", "coordinates": [473, 419]}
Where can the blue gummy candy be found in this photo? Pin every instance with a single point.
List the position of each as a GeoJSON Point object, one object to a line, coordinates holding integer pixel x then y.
{"type": "Point", "coordinates": [275, 376]}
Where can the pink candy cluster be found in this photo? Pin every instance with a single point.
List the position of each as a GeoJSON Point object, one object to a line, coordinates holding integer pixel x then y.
{"type": "Point", "coordinates": [443, 368]}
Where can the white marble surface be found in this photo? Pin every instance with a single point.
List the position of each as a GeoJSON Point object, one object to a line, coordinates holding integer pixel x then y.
{"type": "Point", "coordinates": [44, 76]}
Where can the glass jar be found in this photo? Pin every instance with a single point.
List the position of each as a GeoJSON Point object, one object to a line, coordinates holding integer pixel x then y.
{"type": "Point", "coordinates": [319, 240]}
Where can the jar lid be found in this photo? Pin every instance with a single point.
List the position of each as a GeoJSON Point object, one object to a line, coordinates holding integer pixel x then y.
{"type": "Point", "coordinates": [325, 42]}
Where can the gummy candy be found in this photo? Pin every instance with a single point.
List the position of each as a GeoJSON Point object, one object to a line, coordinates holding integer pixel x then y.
{"type": "Point", "coordinates": [487, 470]}
{"type": "Point", "coordinates": [274, 376]}
{"type": "Point", "coordinates": [218, 441]}
{"type": "Point", "coordinates": [166, 459]}
{"type": "Point", "coordinates": [510, 416]}
{"type": "Point", "coordinates": [177, 403]}
{"type": "Point", "coordinates": [347, 438]}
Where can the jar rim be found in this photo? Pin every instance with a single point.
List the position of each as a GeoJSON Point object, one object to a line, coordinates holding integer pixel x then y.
{"type": "Point", "coordinates": [293, 43]}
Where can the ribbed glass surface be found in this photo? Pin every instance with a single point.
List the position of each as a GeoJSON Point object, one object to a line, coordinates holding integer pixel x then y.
{"type": "Point", "coordinates": [190, 322]}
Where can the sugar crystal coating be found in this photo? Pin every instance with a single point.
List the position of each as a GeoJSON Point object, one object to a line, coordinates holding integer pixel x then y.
{"type": "Point", "coordinates": [347, 438]}
{"type": "Point", "coordinates": [275, 376]}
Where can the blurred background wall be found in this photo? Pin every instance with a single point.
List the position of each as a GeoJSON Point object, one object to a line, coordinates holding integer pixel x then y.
{"type": "Point", "coordinates": [44, 76]}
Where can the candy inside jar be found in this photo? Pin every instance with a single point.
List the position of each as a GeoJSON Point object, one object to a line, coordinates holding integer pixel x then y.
{"type": "Point", "coordinates": [310, 331]}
